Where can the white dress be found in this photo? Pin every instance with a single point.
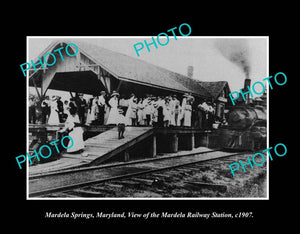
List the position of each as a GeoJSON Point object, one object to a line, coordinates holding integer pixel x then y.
{"type": "Point", "coordinates": [94, 110]}
{"type": "Point", "coordinates": [140, 109]}
{"type": "Point", "coordinates": [172, 110]}
{"type": "Point", "coordinates": [187, 115]}
{"type": "Point", "coordinates": [76, 134]}
{"type": "Point", "coordinates": [53, 118]}
{"type": "Point", "coordinates": [88, 117]}
{"type": "Point", "coordinates": [129, 113]}
{"type": "Point", "coordinates": [114, 113]}
{"type": "Point", "coordinates": [146, 108]}
{"type": "Point", "coordinates": [167, 112]}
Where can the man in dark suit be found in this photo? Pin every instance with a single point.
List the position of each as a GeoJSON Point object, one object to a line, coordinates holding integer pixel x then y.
{"type": "Point", "coordinates": [60, 108]}
{"type": "Point", "coordinates": [81, 107]}
{"type": "Point", "coordinates": [32, 110]}
{"type": "Point", "coordinates": [101, 105]}
{"type": "Point", "coordinates": [45, 109]}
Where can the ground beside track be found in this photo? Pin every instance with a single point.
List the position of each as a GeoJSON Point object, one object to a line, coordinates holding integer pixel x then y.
{"type": "Point", "coordinates": [184, 183]}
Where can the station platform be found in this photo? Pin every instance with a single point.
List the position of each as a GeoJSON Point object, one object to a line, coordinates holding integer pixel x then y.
{"type": "Point", "coordinates": [99, 149]}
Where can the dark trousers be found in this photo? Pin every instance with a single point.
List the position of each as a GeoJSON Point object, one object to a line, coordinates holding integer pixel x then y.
{"type": "Point", "coordinates": [81, 115]}
{"type": "Point", "coordinates": [200, 119]}
{"type": "Point", "coordinates": [101, 115]}
{"type": "Point", "coordinates": [45, 114]}
{"type": "Point", "coordinates": [148, 118]}
{"type": "Point", "coordinates": [32, 114]}
{"type": "Point", "coordinates": [61, 117]}
{"type": "Point", "coordinates": [160, 117]}
{"type": "Point", "coordinates": [121, 130]}
{"type": "Point", "coordinates": [176, 118]}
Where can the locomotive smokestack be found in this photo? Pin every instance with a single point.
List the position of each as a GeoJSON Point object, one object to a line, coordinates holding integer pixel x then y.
{"type": "Point", "coordinates": [247, 83]}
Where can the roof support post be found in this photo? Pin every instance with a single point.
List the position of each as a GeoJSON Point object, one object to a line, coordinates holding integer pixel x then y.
{"type": "Point", "coordinates": [119, 85]}
{"type": "Point", "coordinates": [104, 78]}
{"type": "Point", "coordinates": [36, 89]}
{"type": "Point", "coordinates": [42, 81]}
{"type": "Point", "coordinates": [107, 83]}
{"type": "Point", "coordinates": [103, 81]}
{"type": "Point", "coordinates": [78, 58]}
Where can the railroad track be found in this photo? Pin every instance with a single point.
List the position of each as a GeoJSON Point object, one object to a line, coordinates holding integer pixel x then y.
{"type": "Point", "coordinates": [72, 179]}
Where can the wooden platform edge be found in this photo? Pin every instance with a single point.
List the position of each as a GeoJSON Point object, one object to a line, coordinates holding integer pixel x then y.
{"type": "Point", "coordinates": [121, 148]}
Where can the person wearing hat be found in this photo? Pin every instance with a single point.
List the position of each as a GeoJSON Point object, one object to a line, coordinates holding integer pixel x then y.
{"type": "Point", "coordinates": [46, 109]}
{"type": "Point", "coordinates": [167, 112]}
{"type": "Point", "coordinates": [75, 131]}
{"type": "Point", "coordinates": [176, 108]}
{"type": "Point", "coordinates": [149, 110]}
{"type": "Point", "coordinates": [182, 112]}
{"type": "Point", "coordinates": [133, 115]}
{"type": "Point", "coordinates": [146, 109]}
{"type": "Point", "coordinates": [81, 107]}
{"type": "Point", "coordinates": [187, 114]}
{"type": "Point", "coordinates": [32, 109]}
{"type": "Point", "coordinates": [113, 113]}
{"type": "Point", "coordinates": [93, 110]}
{"type": "Point", "coordinates": [131, 111]}
{"type": "Point", "coordinates": [53, 118]}
{"type": "Point", "coordinates": [160, 116]}
{"type": "Point", "coordinates": [101, 105]}
{"type": "Point", "coordinates": [172, 102]}
{"type": "Point", "coordinates": [121, 123]}
{"type": "Point", "coordinates": [60, 108]}
{"type": "Point", "coordinates": [154, 115]}
{"type": "Point", "coordinates": [140, 111]}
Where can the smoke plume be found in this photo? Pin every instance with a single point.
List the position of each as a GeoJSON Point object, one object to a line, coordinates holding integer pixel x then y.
{"type": "Point", "coordinates": [237, 51]}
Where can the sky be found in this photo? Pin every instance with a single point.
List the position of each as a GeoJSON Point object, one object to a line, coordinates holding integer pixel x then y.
{"type": "Point", "coordinates": [208, 61]}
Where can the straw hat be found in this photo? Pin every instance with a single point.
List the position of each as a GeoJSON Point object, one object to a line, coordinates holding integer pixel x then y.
{"type": "Point", "coordinates": [191, 98]}
{"type": "Point", "coordinates": [115, 93]}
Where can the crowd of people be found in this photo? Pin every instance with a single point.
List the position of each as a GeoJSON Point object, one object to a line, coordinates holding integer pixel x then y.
{"type": "Point", "coordinates": [150, 110]}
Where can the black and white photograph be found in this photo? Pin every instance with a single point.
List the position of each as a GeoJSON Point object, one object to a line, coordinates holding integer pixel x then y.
{"type": "Point", "coordinates": [144, 116]}
{"type": "Point", "coordinates": [148, 118]}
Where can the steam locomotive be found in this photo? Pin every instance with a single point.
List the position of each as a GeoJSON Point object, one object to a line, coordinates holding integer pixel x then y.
{"type": "Point", "coordinates": [247, 126]}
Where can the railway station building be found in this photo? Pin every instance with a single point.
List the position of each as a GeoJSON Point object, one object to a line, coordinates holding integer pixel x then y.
{"type": "Point", "coordinates": [94, 69]}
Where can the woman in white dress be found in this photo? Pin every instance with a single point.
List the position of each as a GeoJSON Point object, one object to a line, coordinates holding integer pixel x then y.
{"type": "Point", "coordinates": [114, 112]}
{"type": "Point", "coordinates": [133, 115]}
{"type": "Point", "coordinates": [140, 110]}
{"type": "Point", "coordinates": [53, 118]}
{"type": "Point", "coordinates": [187, 114]}
{"type": "Point", "coordinates": [129, 112]}
{"type": "Point", "coordinates": [167, 113]}
{"type": "Point", "coordinates": [75, 132]}
{"type": "Point", "coordinates": [182, 109]}
{"type": "Point", "coordinates": [88, 114]}
{"type": "Point", "coordinates": [94, 109]}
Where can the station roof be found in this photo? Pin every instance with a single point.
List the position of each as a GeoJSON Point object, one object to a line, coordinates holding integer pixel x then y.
{"type": "Point", "coordinates": [126, 68]}
{"type": "Point", "coordinates": [215, 87]}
